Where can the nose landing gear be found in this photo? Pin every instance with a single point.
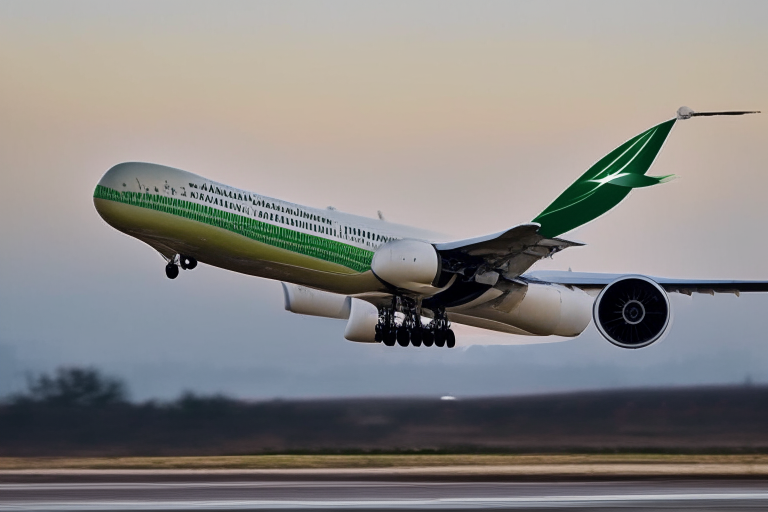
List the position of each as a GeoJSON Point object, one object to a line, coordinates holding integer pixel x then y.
{"type": "Point", "coordinates": [410, 330]}
{"type": "Point", "coordinates": [179, 260]}
{"type": "Point", "coordinates": [172, 270]}
{"type": "Point", "coordinates": [187, 262]}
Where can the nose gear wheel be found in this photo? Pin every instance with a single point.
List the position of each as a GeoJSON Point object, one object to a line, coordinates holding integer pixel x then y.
{"type": "Point", "coordinates": [178, 261]}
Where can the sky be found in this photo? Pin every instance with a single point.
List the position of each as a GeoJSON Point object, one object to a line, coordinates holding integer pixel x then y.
{"type": "Point", "coordinates": [460, 117]}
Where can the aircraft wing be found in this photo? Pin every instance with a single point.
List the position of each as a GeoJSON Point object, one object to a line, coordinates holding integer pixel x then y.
{"type": "Point", "coordinates": [588, 280]}
{"type": "Point", "coordinates": [509, 252]}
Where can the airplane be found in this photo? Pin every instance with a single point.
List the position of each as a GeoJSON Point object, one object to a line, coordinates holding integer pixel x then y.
{"type": "Point", "coordinates": [400, 285]}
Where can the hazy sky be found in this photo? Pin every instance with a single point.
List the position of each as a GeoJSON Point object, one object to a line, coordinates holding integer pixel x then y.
{"type": "Point", "coordinates": [461, 117]}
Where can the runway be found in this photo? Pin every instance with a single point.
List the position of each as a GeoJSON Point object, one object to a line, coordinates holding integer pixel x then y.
{"type": "Point", "coordinates": [257, 494]}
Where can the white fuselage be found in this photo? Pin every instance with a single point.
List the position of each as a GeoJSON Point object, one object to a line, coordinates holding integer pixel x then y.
{"type": "Point", "coordinates": [177, 212]}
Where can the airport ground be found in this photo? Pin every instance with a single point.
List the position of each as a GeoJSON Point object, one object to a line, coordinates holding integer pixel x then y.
{"type": "Point", "coordinates": [584, 464]}
{"type": "Point", "coordinates": [695, 449]}
{"type": "Point", "coordinates": [697, 420]}
{"type": "Point", "coordinates": [388, 482]}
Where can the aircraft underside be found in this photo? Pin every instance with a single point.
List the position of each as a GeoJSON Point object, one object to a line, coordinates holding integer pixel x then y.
{"type": "Point", "coordinates": [381, 312]}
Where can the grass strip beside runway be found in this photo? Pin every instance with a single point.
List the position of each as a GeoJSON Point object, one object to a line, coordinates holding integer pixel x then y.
{"type": "Point", "coordinates": [757, 462]}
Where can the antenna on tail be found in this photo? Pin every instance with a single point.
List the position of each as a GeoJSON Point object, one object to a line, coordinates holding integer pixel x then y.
{"type": "Point", "coordinates": [687, 113]}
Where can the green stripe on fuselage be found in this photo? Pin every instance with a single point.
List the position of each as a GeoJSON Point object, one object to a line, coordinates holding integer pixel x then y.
{"type": "Point", "coordinates": [306, 244]}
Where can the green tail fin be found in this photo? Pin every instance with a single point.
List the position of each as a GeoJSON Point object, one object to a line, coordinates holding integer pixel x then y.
{"type": "Point", "coordinates": [606, 183]}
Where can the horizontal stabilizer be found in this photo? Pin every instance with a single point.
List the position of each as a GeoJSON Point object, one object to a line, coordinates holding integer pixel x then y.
{"type": "Point", "coordinates": [687, 113]}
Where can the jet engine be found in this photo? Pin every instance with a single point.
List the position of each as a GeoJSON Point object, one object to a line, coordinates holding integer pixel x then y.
{"type": "Point", "coordinates": [307, 301]}
{"type": "Point", "coordinates": [362, 316]}
{"type": "Point", "coordinates": [632, 312]}
{"type": "Point", "coordinates": [408, 264]}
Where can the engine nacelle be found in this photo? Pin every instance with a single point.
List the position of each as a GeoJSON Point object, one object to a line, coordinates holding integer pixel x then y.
{"type": "Point", "coordinates": [408, 264]}
{"type": "Point", "coordinates": [363, 317]}
{"type": "Point", "coordinates": [308, 301]}
{"type": "Point", "coordinates": [632, 312]}
{"type": "Point", "coordinates": [549, 309]}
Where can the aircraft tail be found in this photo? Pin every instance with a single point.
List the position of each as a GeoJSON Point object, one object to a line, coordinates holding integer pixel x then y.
{"type": "Point", "coordinates": [611, 179]}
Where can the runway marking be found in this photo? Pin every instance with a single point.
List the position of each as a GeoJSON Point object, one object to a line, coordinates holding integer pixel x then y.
{"type": "Point", "coordinates": [592, 469]}
{"type": "Point", "coordinates": [440, 503]}
{"type": "Point", "coordinates": [182, 485]}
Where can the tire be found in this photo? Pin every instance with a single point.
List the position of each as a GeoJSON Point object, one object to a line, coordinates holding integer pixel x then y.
{"type": "Point", "coordinates": [187, 262]}
{"type": "Point", "coordinates": [427, 337]}
{"type": "Point", "coordinates": [172, 271]}
{"type": "Point", "coordinates": [450, 339]}
{"type": "Point", "coordinates": [379, 336]}
{"type": "Point", "coordinates": [403, 336]}
{"type": "Point", "coordinates": [439, 338]}
{"type": "Point", "coordinates": [416, 337]}
{"type": "Point", "coordinates": [390, 338]}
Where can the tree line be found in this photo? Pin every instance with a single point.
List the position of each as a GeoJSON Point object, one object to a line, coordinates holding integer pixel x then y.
{"type": "Point", "coordinates": [83, 412]}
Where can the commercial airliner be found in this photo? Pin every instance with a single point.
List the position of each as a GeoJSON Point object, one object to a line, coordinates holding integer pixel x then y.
{"type": "Point", "coordinates": [404, 286]}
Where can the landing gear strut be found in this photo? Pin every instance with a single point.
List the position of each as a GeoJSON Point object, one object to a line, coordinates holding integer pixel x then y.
{"type": "Point", "coordinates": [386, 329]}
{"type": "Point", "coordinates": [410, 330]}
{"type": "Point", "coordinates": [441, 327]}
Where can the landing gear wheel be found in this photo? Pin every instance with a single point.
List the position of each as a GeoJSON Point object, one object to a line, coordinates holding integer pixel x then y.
{"type": "Point", "coordinates": [440, 338]}
{"type": "Point", "coordinates": [450, 339]}
{"type": "Point", "coordinates": [403, 336]}
{"type": "Point", "coordinates": [416, 337]}
{"type": "Point", "coordinates": [427, 337]}
{"type": "Point", "coordinates": [187, 262]}
{"type": "Point", "coordinates": [390, 338]}
{"type": "Point", "coordinates": [172, 271]}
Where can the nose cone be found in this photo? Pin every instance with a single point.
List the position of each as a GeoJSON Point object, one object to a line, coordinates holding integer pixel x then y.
{"type": "Point", "coordinates": [126, 179]}
{"type": "Point", "coordinates": [109, 192]}
{"type": "Point", "coordinates": [112, 185]}
{"type": "Point", "coordinates": [127, 183]}
{"type": "Point", "coordinates": [130, 177]}
{"type": "Point", "coordinates": [137, 184]}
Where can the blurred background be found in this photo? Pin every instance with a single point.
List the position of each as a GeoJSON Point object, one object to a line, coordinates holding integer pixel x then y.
{"type": "Point", "coordinates": [461, 117]}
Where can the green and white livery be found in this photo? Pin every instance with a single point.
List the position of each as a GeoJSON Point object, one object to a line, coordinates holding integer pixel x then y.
{"type": "Point", "coordinates": [607, 182]}
{"type": "Point", "coordinates": [401, 285]}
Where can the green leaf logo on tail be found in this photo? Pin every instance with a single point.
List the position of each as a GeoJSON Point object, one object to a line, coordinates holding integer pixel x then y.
{"type": "Point", "coordinates": [606, 183]}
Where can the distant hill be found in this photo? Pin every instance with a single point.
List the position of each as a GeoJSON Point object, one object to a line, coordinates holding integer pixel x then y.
{"type": "Point", "coordinates": [719, 419]}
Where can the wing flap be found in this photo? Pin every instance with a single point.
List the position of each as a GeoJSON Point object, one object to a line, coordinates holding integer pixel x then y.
{"type": "Point", "coordinates": [509, 252]}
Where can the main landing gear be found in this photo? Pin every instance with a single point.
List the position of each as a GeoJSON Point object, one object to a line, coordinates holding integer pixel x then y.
{"type": "Point", "coordinates": [179, 260]}
{"type": "Point", "coordinates": [410, 331]}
